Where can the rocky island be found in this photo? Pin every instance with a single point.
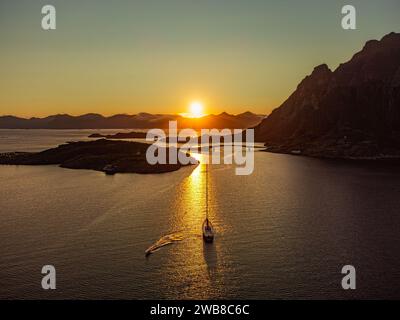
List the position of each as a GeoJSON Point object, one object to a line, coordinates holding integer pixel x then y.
{"type": "Point", "coordinates": [120, 135]}
{"type": "Point", "coordinates": [100, 155]}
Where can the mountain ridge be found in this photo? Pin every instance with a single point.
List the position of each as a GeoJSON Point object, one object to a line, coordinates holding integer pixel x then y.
{"type": "Point", "coordinates": [125, 121]}
{"type": "Point", "coordinates": [351, 112]}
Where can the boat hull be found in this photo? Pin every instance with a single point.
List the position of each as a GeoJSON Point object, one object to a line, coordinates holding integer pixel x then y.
{"type": "Point", "coordinates": [208, 238]}
{"type": "Point", "coordinates": [208, 231]}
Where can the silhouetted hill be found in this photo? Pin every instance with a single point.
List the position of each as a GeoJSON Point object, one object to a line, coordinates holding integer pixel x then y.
{"type": "Point", "coordinates": [123, 121]}
{"type": "Point", "coordinates": [351, 112]}
{"type": "Point", "coordinates": [101, 155]}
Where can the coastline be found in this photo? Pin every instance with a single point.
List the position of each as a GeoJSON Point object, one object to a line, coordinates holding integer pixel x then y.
{"type": "Point", "coordinates": [108, 156]}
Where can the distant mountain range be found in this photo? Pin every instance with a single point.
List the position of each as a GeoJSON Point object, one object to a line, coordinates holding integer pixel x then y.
{"type": "Point", "coordinates": [352, 112]}
{"type": "Point", "coordinates": [138, 121]}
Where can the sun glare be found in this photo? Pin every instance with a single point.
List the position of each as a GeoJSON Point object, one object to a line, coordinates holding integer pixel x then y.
{"type": "Point", "coordinates": [196, 109]}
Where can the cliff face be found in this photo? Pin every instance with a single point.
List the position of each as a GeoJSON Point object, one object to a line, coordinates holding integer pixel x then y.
{"type": "Point", "coordinates": [351, 112]}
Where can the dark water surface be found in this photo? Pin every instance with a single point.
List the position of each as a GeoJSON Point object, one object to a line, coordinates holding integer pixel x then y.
{"type": "Point", "coordinates": [283, 232]}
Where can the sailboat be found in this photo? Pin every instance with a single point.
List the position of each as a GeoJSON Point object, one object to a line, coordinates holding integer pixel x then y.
{"type": "Point", "coordinates": [208, 231]}
{"type": "Point", "coordinates": [207, 227]}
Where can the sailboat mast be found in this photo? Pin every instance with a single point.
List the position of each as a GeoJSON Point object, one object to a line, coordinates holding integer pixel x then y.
{"type": "Point", "coordinates": [207, 191]}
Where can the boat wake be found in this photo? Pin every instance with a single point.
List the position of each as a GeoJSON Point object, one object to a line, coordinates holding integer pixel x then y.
{"type": "Point", "coordinates": [164, 241]}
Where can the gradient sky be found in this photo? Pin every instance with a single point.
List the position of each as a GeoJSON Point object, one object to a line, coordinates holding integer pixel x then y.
{"type": "Point", "coordinates": [127, 56]}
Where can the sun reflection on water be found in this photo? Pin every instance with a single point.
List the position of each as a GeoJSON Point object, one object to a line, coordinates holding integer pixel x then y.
{"type": "Point", "coordinates": [195, 264]}
{"type": "Point", "coordinates": [191, 200]}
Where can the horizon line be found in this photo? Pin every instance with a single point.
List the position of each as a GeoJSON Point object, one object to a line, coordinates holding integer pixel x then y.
{"type": "Point", "coordinates": [130, 115]}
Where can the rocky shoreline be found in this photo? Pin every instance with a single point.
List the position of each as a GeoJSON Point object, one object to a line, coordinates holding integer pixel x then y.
{"type": "Point", "coordinates": [101, 155]}
{"type": "Point", "coordinates": [362, 151]}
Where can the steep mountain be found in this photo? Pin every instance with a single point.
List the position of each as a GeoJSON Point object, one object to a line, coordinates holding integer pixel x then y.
{"type": "Point", "coordinates": [353, 111]}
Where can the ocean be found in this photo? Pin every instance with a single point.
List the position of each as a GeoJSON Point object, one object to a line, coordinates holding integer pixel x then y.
{"type": "Point", "coordinates": [283, 232]}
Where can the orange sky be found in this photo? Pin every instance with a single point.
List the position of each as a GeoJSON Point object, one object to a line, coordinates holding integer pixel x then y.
{"type": "Point", "coordinates": [158, 56]}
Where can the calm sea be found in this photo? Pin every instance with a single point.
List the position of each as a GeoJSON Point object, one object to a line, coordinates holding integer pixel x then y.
{"type": "Point", "coordinates": [283, 232]}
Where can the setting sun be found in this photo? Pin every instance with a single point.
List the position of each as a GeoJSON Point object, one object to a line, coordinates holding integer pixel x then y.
{"type": "Point", "coordinates": [196, 109]}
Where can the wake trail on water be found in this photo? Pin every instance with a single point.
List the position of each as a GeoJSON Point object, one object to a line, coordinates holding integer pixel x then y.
{"type": "Point", "coordinates": [167, 240]}
{"type": "Point", "coordinates": [164, 241]}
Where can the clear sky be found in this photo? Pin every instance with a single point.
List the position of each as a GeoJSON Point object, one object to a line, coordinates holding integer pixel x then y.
{"type": "Point", "coordinates": [128, 56]}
